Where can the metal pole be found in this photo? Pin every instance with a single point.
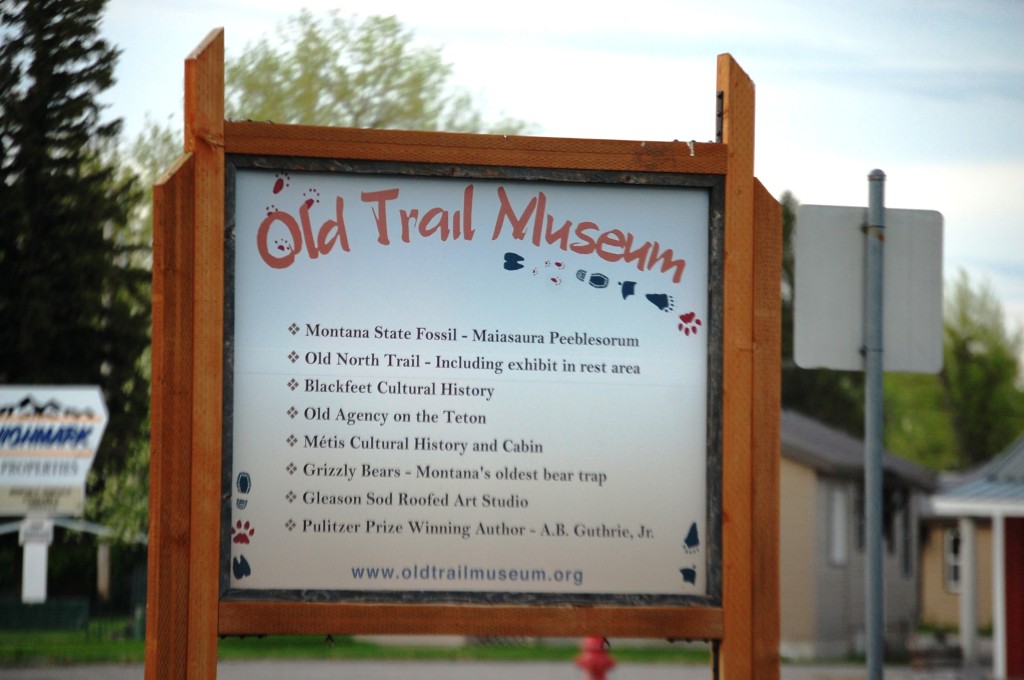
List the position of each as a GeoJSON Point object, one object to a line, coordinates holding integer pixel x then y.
{"type": "Point", "coordinates": [873, 424]}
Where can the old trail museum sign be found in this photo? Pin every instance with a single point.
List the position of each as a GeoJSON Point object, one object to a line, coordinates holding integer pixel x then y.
{"type": "Point", "coordinates": [462, 384]}
{"type": "Point", "coordinates": [449, 388]}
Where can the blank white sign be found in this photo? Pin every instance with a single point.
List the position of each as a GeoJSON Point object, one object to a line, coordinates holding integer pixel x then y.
{"type": "Point", "coordinates": [829, 252]}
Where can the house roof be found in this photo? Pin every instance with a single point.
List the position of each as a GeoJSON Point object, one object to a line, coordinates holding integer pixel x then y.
{"type": "Point", "coordinates": [831, 451]}
{"type": "Point", "coordinates": [994, 487]}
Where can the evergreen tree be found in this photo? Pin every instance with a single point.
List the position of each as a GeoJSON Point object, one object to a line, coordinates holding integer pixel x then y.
{"type": "Point", "coordinates": [981, 373]}
{"type": "Point", "coordinates": [74, 289]}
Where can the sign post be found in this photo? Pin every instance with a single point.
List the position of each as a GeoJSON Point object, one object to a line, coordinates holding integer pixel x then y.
{"type": "Point", "coordinates": [35, 536]}
{"type": "Point", "coordinates": [886, 264]}
{"type": "Point", "coordinates": [49, 436]}
{"type": "Point", "coordinates": [874, 423]}
{"type": "Point", "coordinates": [484, 385]}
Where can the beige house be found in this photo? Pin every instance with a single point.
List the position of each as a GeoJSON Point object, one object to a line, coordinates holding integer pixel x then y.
{"type": "Point", "coordinates": [940, 572]}
{"type": "Point", "coordinates": [972, 562]}
{"type": "Point", "coordinates": [822, 548]}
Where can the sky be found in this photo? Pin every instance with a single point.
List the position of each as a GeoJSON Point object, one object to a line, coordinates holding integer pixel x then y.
{"type": "Point", "coordinates": [931, 92]}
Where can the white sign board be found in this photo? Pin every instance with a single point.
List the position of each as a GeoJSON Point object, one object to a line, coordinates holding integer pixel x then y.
{"type": "Point", "coordinates": [467, 386]}
{"type": "Point", "coordinates": [828, 247]}
{"type": "Point", "coordinates": [49, 436]}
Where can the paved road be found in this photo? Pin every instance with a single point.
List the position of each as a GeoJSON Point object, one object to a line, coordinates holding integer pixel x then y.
{"type": "Point", "coordinates": [462, 670]}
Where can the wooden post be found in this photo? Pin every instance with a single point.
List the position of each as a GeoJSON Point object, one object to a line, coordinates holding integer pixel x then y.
{"type": "Point", "coordinates": [767, 449]}
{"type": "Point", "coordinates": [170, 462]}
{"type": "Point", "coordinates": [185, 463]}
{"type": "Point", "coordinates": [750, 399]}
{"type": "Point", "coordinates": [204, 138]}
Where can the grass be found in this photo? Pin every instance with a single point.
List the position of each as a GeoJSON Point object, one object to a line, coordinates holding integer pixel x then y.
{"type": "Point", "coordinates": [99, 643]}
{"type": "Point", "coordinates": [107, 641]}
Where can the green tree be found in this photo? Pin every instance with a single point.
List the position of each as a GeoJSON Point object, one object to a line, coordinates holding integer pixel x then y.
{"type": "Point", "coordinates": [918, 425]}
{"type": "Point", "coordinates": [336, 72]}
{"type": "Point", "coordinates": [74, 291]}
{"type": "Point", "coordinates": [333, 72]}
{"type": "Point", "coordinates": [975, 406]}
{"type": "Point", "coordinates": [981, 375]}
{"type": "Point", "coordinates": [341, 72]}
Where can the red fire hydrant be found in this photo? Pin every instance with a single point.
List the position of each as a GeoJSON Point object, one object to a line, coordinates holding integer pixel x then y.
{"type": "Point", "coordinates": [594, 659]}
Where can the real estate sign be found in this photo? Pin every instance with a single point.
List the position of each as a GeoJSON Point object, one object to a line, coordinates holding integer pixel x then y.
{"type": "Point", "coordinates": [49, 436]}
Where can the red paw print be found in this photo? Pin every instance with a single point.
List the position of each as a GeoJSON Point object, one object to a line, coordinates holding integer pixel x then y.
{"type": "Point", "coordinates": [312, 196]}
{"type": "Point", "coordinates": [240, 533]}
{"type": "Point", "coordinates": [689, 323]}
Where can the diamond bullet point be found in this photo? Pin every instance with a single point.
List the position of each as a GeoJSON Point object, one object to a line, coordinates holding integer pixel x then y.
{"type": "Point", "coordinates": [291, 496]}
{"type": "Point", "coordinates": [293, 329]}
{"type": "Point", "coordinates": [291, 440]}
{"type": "Point", "coordinates": [290, 525]}
{"type": "Point", "coordinates": [292, 412]}
{"type": "Point", "coordinates": [293, 356]}
{"type": "Point", "coordinates": [292, 384]}
{"type": "Point", "coordinates": [291, 468]}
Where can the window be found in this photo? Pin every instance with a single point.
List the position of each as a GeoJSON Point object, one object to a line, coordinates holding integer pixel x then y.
{"type": "Point", "coordinates": [907, 539]}
{"type": "Point", "coordinates": [951, 552]}
{"type": "Point", "coordinates": [861, 519]}
{"type": "Point", "coordinates": [838, 526]}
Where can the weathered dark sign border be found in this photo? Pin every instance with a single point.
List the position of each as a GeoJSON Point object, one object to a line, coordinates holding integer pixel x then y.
{"type": "Point", "coordinates": [714, 185]}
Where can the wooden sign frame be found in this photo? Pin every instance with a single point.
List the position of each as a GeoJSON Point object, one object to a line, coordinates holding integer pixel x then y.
{"type": "Point", "coordinates": [186, 613]}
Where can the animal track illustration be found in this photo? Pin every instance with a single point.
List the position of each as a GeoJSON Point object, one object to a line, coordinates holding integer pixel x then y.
{"type": "Point", "coordinates": [281, 182]}
{"type": "Point", "coordinates": [665, 303]}
{"type": "Point", "coordinates": [557, 280]}
{"type": "Point", "coordinates": [595, 279]}
{"type": "Point", "coordinates": [692, 541]}
{"type": "Point", "coordinates": [312, 196]}
{"type": "Point", "coordinates": [240, 567]}
{"type": "Point", "coordinates": [513, 261]}
{"type": "Point", "coordinates": [689, 574]}
{"type": "Point", "coordinates": [244, 485]}
{"type": "Point", "coordinates": [689, 323]}
{"type": "Point", "coordinates": [241, 533]}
